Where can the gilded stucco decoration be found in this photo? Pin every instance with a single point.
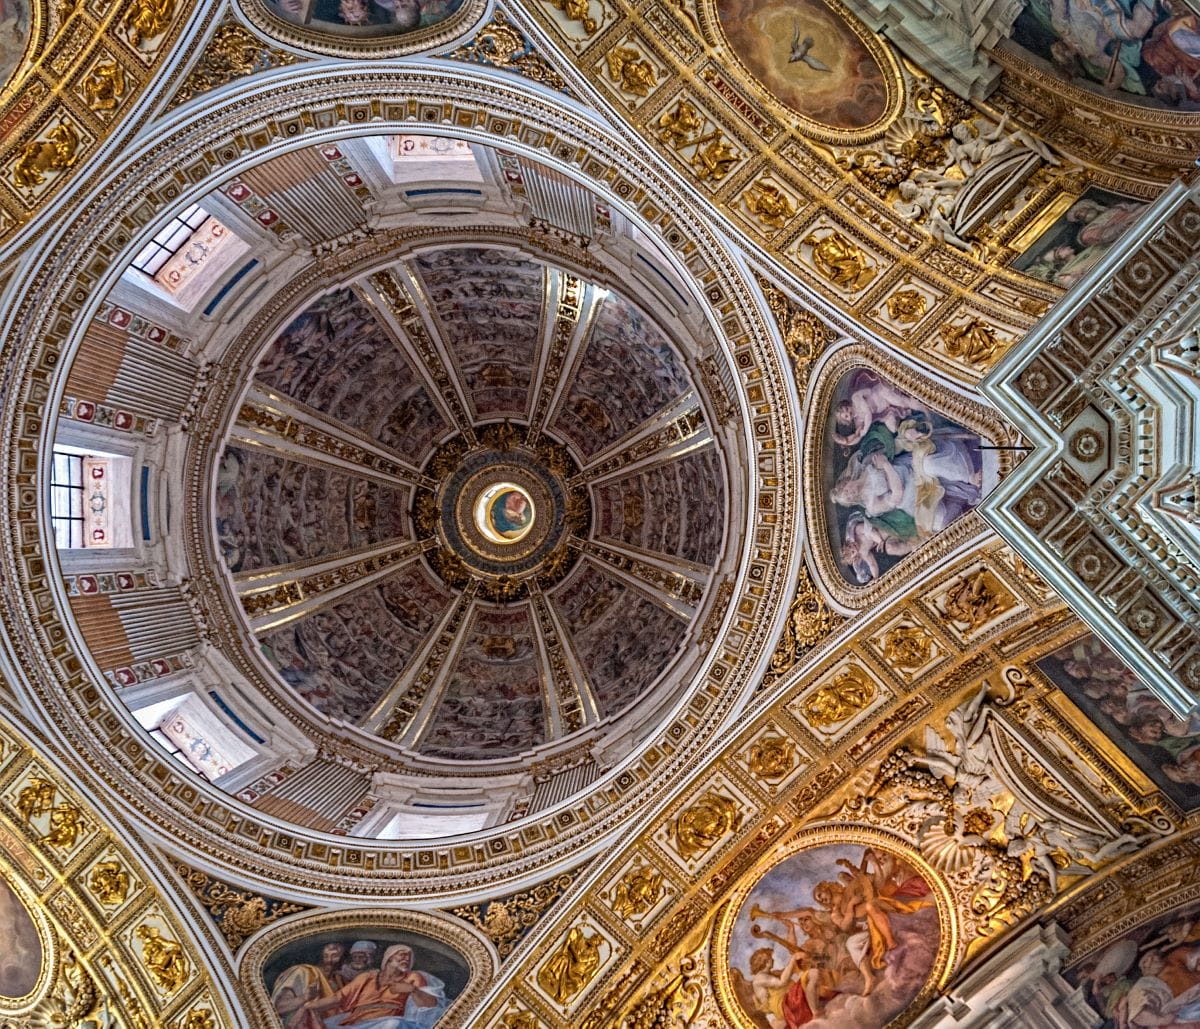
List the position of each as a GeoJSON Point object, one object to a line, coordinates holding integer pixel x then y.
{"type": "Point", "coordinates": [88, 928]}
{"type": "Point", "coordinates": [82, 67]}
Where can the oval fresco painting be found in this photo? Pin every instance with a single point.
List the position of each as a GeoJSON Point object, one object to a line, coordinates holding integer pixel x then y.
{"type": "Point", "coordinates": [21, 961]}
{"type": "Point", "coordinates": [369, 977]}
{"type": "Point", "coordinates": [1139, 51]}
{"type": "Point", "coordinates": [839, 936]}
{"type": "Point", "coordinates": [895, 473]}
{"type": "Point", "coordinates": [14, 36]}
{"type": "Point", "coordinates": [358, 18]}
{"type": "Point", "coordinates": [809, 58]}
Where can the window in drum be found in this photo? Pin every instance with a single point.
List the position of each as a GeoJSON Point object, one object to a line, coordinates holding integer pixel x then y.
{"type": "Point", "coordinates": [66, 500]}
{"type": "Point", "coordinates": [169, 240]}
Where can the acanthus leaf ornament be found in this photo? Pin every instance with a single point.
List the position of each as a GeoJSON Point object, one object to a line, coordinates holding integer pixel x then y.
{"type": "Point", "coordinates": [809, 621]}
{"type": "Point", "coordinates": [500, 44]}
{"type": "Point", "coordinates": [233, 53]}
{"type": "Point", "coordinates": [805, 335]}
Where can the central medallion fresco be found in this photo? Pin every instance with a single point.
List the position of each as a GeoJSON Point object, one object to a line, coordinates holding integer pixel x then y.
{"type": "Point", "coordinates": [504, 513]}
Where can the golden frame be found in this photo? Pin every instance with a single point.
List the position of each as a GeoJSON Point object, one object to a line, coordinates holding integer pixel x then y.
{"type": "Point", "coordinates": [479, 958]}
{"type": "Point", "coordinates": [810, 839]}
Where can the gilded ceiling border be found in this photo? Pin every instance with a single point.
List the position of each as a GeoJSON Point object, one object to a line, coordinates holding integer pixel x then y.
{"type": "Point", "coordinates": [480, 957]}
{"type": "Point", "coordinates": [942, 398]}
{"type": "Point", "coordinates": [219, 407]}
{"type": "Point", "coordinates": [686, 99]}
{"type": "Point", "coordinates": [204, 144]}
{"type": "Point", "coordinates": [86, 65]}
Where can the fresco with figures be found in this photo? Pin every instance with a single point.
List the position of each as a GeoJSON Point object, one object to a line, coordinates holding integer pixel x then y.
{"type": "Point", "coordinates": [317, 657]}
{"type": "Point", "coordinates": [895, 474]}
{"type": "Point", "coordinates": [365, 17]}
{"type": "Point", "coordinates": [1163, 746]}
{"type": "Point", "coordinates": [1146, 51]}
{"type": "Point", "coordinates": [1148, 977]}
{"type": "Point", "coordinates": [809, 58]}
{"type": "Point", "coordinates": [21, 962]}
{"type": "Point", "coordinates": [1078, 240]}
{"type": "Point", "coordinates": [367, 977]}
{"type": "Point", "coordinates": [14, 36]}
{"type": "Point", "coordinates": [839, 935]}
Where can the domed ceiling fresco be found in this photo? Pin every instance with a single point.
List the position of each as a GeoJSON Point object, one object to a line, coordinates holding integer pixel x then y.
{"type": "Point", "coordinates": [577, 514]}
{"type": "Point", "coordinates": [505, 535]}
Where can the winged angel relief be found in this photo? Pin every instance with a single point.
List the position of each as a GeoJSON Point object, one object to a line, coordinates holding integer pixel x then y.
{"type": "Point", "coordinates": [984, 812]}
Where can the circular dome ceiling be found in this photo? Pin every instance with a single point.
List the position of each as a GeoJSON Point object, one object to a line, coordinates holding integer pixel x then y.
{"type": "Point", "coordinates": [424, 491]}
{"type": "Point", "coordinates": [471, 580]}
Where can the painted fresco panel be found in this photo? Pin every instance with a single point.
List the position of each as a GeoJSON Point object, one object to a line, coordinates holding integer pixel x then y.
{"type": "Point", "coordinates": [623, 639]}
{"type": "Point", "coordinates": [628, 373]}
{"type": "Point", "coordinates": [14, 36]}
{"type": "Point", "coordinates": [492, 706]}
{"type": "Point", "coordinates": [489, 304]}
{"type": "Point", "coordinates": [809, 58]}
{"type": "Point", "coordinates": [895, 474]}
{"type": "Point", "coordinates": [1075, 243]}
{"type": "Point", "coordinates": [1143, 51]}
{"type": "Point", "coordinates": [365, 18]}
{"type": "Point", "coordinates": [335, 357]}
{"type": "Point", "coordinates": [368, 976]}
{"type": "Point", "coordinates": [1099, 683]}
{"type": "Point", "coordinates": [676, 508]}
{"type": "Point", "coordinates": [863, 926]}
{"type": "Point", "coordinates": [1148, 977]}
{"type": "Point", "coordinates": [344, 657]}
{"type": "Point", "coordinates": [21, 957]}
{"type": "Point", "coordinates": [271, 511]}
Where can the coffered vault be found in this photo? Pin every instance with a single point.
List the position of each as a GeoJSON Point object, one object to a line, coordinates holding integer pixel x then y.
{"type": "Point", "coordinates": [495, 516]}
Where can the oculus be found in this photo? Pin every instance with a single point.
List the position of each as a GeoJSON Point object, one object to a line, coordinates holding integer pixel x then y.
{"type": "Point", "coordinates": [504, 513]}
